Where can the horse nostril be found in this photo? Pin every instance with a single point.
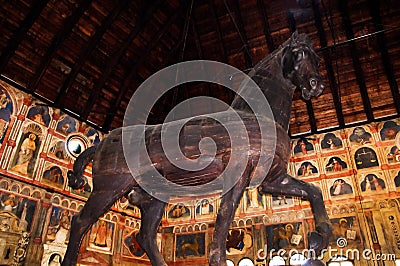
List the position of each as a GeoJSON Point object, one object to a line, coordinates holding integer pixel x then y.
{"type": "Point", "coordinates": [313, 82]}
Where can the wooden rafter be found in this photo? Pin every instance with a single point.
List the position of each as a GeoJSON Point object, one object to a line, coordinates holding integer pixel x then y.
{"type": "Point", "coordinates": [387, 63]}
{"type": "Point", "coordinates": [328, 65]}
{"type": "Point", "coordinates": [217, 27]}
{"type": "Point", "coordinates": [133, 72]}
{"type": "Point", "coordinates": [356, 61]}
{"type": "Point", "coordinates": [114, 59]}
{"type": "Point", "coordinates": [19, 34]}
{"type": "Point", "coordinates": [91, 45]}
{"type": "Point", "coordinates": [267, 33]}
{"type": "Point", "coordinates": [56, 42]}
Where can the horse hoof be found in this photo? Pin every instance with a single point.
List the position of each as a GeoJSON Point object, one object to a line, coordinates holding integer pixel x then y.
{"type": "Point", "coordinates": [313, 262]}
{"type": "Point", "coordinates": [316, 242]}
{"type": "Point", "coordinates": [216, 260]}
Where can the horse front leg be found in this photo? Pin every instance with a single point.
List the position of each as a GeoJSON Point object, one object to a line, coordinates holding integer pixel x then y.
{"type": "Point", "coordinates": [226, 212]}
{"type": "Point", "coordinates": [99, 202]}
{"type": "Point", "coordinates": [151, 211]}
{"type": "Point", "coordinates": [287, 185]}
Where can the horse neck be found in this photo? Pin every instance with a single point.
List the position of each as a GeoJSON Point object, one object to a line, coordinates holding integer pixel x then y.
{"type": "Point", "coordinates": [277, 90]}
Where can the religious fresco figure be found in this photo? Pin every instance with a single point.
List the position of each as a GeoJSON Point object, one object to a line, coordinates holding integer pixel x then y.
{"type": "Point", "coordinates": [284, 236]}
{"type": "Point", "coordinates": [101, 236]}
{"type": "Point", "coordinates": [6, 109]}
{"type": "Point", "coordinates": [178, 211]}
{"type": "Point", "coordinates": [282, 201]}
{"type": "Point", "coordinates": [66, 125]}
{"type": "Point", "coordinates": [40, 114]}
{"type": "Point", "coordinates": [55, 260]}
{"type": "Point", "coordinates": [53, 176]}
{"type": "Point", "coordinates": [365, 158]}
{"type": "Point", "coordinates": [303, 146]}
{"type": "Point", "coordinates": [10, 204]}
{"type": "Point", "coordinates": [307, 169]}
{"type": "Point", "coordinates": [389, 130]}
{"type": "Point", "coordinates": [17, 213]}
{"type": "Point", "coordinates": [335, 164]}
{"type": "Point", "coordinates": [330, 141]}
{"type": "Point", "coordinates": [340, 187]}
{"type": "Point", "coordinates": [345, 227]}
{"type": "Point", "coordinates": [397, 180]}
{"type": "Point", "coordinates": [204, 207]}
{"type": "Point", "coordinates": [394, 154]}
{"type": "Point", "coordinates": [360, 136]}
{"type": "Point", "coordinates": [372, 183]}
{"type": "Point", "coordinates": [24, 164]}
{"type": "Point", "coordinates": [254, 199]}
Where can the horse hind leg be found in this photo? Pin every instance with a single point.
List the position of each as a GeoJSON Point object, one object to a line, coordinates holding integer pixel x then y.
{"type": "Point", "coordinates": [98, 203]}
{"type": "Point", "coordinates": [287, 185]}
{"type": "Point", "coordinates": [151, 211]}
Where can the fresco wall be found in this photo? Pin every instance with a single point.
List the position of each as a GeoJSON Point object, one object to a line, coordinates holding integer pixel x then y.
{"type": "Point", "coordinates": [357, 169]}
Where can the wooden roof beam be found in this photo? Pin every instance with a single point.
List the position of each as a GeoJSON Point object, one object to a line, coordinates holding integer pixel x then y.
{"type": "Point", "coordinates": [329, 69]}
{"type": "Point", "coordinates": [387, 63]}
{"type": "Point", "coordinates": [114, 59]}
{"type": "Point", "coordinates": [20, 33]}
{"type": "Point", "coordinates": [356, 62]}
{"type": "Point", "coordinates": [56, 42]}
{"type": "Point", "coordinates": [267, 31]}
{"type": "Point", "coordinates": [91, 45]}
{"type": "Point", "coordinates": [133, 72]}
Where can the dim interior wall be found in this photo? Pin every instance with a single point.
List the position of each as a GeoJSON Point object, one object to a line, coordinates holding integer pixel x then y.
{"type": "Point", "coordinates": [358, 170]}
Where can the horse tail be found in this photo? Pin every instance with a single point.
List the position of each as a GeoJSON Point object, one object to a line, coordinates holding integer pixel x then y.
{"type": "Point", "coordinates": [76, 180]}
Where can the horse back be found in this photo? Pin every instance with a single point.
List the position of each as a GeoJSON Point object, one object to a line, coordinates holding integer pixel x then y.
{"type": "Point", "coordinates": [110, 158]}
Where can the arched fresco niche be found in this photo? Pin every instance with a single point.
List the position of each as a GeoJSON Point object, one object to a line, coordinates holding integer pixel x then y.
{"type": "Point", "coordinates": [179, 211]}
{"type": "Point", "coordinates": [101, 237]}
{"type": "Point", "coordinates": [40, 114]}
{"type": "Point", "coordinates": [307, 169]}
{"type": "Point", "coordinates": [24, 159]}
{"type": "Point", "coordinates": [93, 136]}
{"type": "Point", "coordinates": [331, 142]}
{"type": "Point", "coordinates": [340, 186]}
{"type": "Point", "coordinates": [58, 150]}
{"type": "Point", "coordinates": [66, 125]}
{"type": "Point", "coordinates": [204, 208]}
{"type": "Point", "coordinates": [53, 176]}
{"type": "Point", "coordinates": [389, 130]}
{"type": "Point", "coordinates": [303, 146]}
{"type": "Point", "coordinates": [365, 158]}
{"type": "Point", "coordinates": [360, 136]}
{"type": "Point", "coordinates": [335, 164]}
{"type": "Point", "coordinates": [372, 183]}
{"type": "Point", "coordinates": [6, 109]}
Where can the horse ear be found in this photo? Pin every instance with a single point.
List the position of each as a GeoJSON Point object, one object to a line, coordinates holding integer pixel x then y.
{"type": "Point", "coordinates": [287, 62]}
{"type": "Point", "coordinates": [294, 38]}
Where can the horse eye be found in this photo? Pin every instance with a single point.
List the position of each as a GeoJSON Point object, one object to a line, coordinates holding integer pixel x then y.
{"type": "Point", "coordinates": [299, 55]}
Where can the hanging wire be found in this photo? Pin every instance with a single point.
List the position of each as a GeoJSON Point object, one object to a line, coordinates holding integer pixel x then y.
{"type": "Point", "coordinates": [245, 46]}
{"type": "Point", "coordinates": [329, 20]}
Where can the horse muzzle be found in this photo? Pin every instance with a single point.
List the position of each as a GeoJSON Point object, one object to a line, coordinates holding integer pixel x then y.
{"type": "Point", "coordinates": [316, 88]}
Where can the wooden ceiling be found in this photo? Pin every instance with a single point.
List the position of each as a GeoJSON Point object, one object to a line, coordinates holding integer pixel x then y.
{"type": "Point", "coordinates": [87, 57]}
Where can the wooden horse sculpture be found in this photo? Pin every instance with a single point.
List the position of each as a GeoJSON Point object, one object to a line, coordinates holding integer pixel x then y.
{"type": "Point", "coordinates": [293, 65]}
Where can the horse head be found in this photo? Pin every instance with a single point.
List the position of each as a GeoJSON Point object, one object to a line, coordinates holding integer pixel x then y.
{"type": "Point", "coordinates": [300, 65]}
